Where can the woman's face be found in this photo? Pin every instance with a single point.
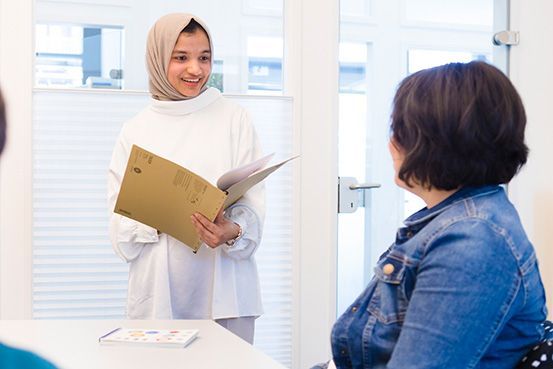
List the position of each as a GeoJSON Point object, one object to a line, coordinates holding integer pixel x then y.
{"type": "Point", "coordinates": [190, 63]}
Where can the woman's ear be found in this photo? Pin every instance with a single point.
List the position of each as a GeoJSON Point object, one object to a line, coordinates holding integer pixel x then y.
{"type": "Point", "coordinates": [395, 151]}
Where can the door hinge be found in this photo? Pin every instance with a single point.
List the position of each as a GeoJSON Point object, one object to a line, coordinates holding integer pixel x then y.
{"type": "Point", "coordinates": [506, 38]}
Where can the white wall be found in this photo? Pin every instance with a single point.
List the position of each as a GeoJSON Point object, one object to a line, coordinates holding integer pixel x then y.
{"type": "Point", "coordinates": [532, 74]}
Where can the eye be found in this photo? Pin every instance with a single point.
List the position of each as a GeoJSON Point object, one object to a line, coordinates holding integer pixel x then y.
{"type": "Point", "coordinates": [205, 58]}
{"type": "Point", "coordinates": [180, 58]}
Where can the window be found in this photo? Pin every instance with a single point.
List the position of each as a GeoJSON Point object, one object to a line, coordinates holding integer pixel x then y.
{"type": "Point", "coordinates": [265, 65]}
{"type": "Point", "coordinates": [216, 77]}
{"type": "Point", "coordinates": [418, 59]}
{"type": "Point", "coordinates": [78, 56]}
{"type": "Point", "coordinates": [353, 73]}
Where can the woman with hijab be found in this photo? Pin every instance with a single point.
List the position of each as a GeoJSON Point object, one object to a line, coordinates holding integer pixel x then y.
{"type": "Point", "coordinates": [196, 127]}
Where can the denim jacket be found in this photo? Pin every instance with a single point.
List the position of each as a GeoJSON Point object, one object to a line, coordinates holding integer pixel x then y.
{"type": "Point", "coordinates": [459, 288]}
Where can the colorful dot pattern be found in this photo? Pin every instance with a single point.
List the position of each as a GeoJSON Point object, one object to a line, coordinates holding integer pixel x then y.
{"type": "Point", "coordinates": [176, 336]}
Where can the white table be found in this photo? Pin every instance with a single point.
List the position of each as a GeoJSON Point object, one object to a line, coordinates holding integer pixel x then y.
{"type": "Point", "coordinates": [73, 344]}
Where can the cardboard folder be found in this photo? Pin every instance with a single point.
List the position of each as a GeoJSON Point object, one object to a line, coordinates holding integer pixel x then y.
{"type": "Point", "coordinates": [164, 195]}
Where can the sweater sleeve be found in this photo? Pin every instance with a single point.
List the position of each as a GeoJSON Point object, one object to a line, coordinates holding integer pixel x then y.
{"type": "Point", "coordinates": [249, 211]}
{"type": "Point", "coordinates": [127, 236]}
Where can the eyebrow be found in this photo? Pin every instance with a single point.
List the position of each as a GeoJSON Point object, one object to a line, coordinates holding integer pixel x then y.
{"type": "Point", "coordinates": [186, 52]}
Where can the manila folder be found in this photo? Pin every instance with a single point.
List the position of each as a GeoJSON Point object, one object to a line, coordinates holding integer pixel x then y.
{"type": "Point", "coordinates": [164, 195]}
{"type": "Point", "coordinates": [238, 189]}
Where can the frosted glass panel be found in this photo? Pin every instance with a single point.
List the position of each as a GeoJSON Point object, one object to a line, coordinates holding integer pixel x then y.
{"type": "Point", "coordinates": [466, 12]}
{"type": "Point", "coordinates": [75, 272]}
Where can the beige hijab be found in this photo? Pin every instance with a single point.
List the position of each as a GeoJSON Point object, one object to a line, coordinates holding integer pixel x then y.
{"type": "Point", "coordinates": [161, 41]}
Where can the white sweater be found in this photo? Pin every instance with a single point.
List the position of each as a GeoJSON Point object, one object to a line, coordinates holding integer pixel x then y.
{"type": "Point", "coordinates": [208, 135]}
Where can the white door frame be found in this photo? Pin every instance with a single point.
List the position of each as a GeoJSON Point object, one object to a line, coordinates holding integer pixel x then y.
{"type": "Point", "coordinates": [531, 72]}
{"type": "Point", "coordinates": [312, 37]}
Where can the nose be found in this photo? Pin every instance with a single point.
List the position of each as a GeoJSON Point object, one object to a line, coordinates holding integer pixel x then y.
{"type": "Point", "coordinates": [193, 67]}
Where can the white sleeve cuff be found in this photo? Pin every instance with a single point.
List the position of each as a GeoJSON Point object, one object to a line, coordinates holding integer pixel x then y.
{"type": "Point", "coordinates": [128, 236]}
{"type": "Point", "coordinates": [248, 220]}
{"type": "Point", "coordinates": [135, 232]}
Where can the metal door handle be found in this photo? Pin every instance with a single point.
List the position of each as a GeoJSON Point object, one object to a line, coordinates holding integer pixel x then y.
{"type": "Point", "coordinates": [348, 197]}
{"type": "Point", "coordinates": [364, 186]}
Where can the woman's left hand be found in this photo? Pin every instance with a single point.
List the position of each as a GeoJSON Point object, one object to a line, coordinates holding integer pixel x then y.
{"type": "Point", "coordinates": [215, 233]}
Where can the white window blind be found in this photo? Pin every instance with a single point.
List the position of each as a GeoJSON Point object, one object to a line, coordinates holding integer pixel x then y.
{"type": "Point", "coordinates": [76, 275]}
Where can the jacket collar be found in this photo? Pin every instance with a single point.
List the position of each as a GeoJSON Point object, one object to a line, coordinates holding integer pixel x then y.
{"type": "Point", "coordinates": [424, 215]}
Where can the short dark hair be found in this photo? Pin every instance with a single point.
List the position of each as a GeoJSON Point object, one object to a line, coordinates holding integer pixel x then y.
{"type": "Point", "coordinates": [2, 124]}
{"type": "Point", "coordinates": [194, 26]}
{"type": "Point", "coordinates": [459, 124]}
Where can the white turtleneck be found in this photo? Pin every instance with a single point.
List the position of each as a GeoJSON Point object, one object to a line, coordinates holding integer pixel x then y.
{"type": "Point", "coordinates": [209, 135]}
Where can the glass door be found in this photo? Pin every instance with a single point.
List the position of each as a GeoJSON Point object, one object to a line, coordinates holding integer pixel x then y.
{"type": "Point", "coordinates": [381, 42]}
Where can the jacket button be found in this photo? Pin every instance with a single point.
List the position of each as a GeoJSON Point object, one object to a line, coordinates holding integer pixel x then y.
{"type": "Point", "coordinates": [354, 309]}
{"type": "Point", "coordinates": [388, 269]}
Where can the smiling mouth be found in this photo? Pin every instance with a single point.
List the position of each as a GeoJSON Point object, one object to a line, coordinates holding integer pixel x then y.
{"type": "Point", "coordinates": [196, 80]}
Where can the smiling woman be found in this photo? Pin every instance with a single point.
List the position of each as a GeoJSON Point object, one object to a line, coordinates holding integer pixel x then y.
{"type": "Point", "coordinates": [190, 64]}
{"type": "Point", "coordinates": [75, 272]}
{"type": "Point", "coordinates": [184, 72]}
{"type": "Point", "coordinates": [196, 127]}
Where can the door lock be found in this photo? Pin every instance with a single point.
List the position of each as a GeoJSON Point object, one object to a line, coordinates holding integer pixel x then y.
{"type": "Point", "coordinates": [349, 196]}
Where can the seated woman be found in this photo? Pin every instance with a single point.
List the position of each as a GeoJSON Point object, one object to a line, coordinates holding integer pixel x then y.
{"type": "Point", "coordinates": [13, 358]}
{"type": "Point", "coordinates": [460, 286]}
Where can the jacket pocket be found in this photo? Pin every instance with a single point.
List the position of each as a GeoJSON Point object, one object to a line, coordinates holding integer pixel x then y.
{"type": "Point", "coordinates": [389, 301]}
